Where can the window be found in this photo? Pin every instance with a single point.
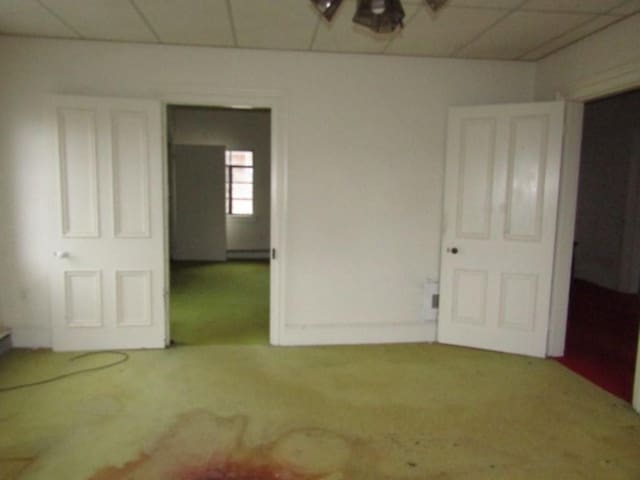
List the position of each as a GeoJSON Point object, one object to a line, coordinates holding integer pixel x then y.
{"type": "Point", "coordinates": [239, 182]}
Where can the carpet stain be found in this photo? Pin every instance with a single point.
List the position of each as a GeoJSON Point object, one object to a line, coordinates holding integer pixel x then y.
{"type": "Point", "coordinates": [13, 467]}
{"type": "Point", "coordinates": [202, 446]}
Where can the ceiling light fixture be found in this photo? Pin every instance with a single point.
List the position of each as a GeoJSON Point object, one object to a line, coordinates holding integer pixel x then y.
{"type": "Point", "coordinates": [327, 7]}
{"type": "Point", "coordinates": [382, 16]}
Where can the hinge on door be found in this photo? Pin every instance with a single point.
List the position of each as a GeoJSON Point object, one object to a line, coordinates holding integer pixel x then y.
{"type": "Point", "coordinates": [273, 254]}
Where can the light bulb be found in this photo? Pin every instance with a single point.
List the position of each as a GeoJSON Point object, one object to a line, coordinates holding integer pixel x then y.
{"type": "Point", "coordinates": [378, 6]}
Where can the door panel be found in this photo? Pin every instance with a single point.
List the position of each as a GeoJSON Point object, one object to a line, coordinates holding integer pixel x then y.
{"type": "Point", "coordinates": [130, 174]}
{"type": "Point", "coordinates": [525, 179]}
{"type": "Point", "coordinates": [133, 298]}
{"type": "Point", "coordinates": [107, 272]}
{"type": "Point", "coordinates": [470, 301]}
{"type": "Point", "coordinates": [518, 294]}
{"type": "Point", "coordinates": [83, 299]}
{"type": "Point", "coordinates": [79, 172]}
{"type": "Point", "coordinates": [477, 137]}
{"type": "Point", "coordinates": [501, 188]}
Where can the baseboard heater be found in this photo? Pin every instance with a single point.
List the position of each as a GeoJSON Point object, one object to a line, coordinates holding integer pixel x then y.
{"type": "Point", "coordinates": [248, 254]}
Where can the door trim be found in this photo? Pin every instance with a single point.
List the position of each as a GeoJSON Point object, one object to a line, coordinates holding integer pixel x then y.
{"type": "Point", "coordinates": [610, 82]}
{"type": "Point", "coordinates": [276, 102]}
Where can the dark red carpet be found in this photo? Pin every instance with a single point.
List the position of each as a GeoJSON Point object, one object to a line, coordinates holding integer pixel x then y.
{"type": "Point", "coordinates": [602, 337]}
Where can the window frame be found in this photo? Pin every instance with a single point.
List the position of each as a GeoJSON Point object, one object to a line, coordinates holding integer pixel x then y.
{"type": "Point", "coordinates": [229, 168]}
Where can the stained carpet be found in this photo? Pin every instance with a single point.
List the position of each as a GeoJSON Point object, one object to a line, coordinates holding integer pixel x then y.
{"type": "Point", "coordinates": [401, 412]}
{"type": "Point", "coordinates": [220, 303]}
{"type": "Point", "coordinates": [602, 337]}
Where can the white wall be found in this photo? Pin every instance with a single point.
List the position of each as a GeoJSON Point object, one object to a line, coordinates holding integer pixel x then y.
{"type": "Point", "coordinates": [608, 181]}
{"type": "Point", "coordinates": [614, 49]}
{"type": "Point", "coordinates": [236, 130]}
{"type": "Point", "coordinates": [364, 139]}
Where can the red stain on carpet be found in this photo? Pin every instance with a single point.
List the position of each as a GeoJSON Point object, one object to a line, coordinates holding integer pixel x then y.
{"type": "Point", "coordinates": [239, 471]}
{"type": "Point", "coordinates": [201, 446]}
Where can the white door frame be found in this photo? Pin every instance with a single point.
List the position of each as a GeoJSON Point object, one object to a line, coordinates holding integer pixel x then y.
{"type": "Point", "coordinates": [275, 101]}
{"type": "Point", "coordinates": [610, 82]}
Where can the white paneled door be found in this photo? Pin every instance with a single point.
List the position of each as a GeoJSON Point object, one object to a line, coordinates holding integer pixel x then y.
{"type": "Point", "coordinates": [108, 258]}
{"type": "Point", "coordinates": [501, 196]}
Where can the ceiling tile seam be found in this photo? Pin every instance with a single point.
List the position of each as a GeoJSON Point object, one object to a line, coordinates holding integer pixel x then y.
{"type": "Point", "coordinates": [314, 34]}
{"type": "Point", "coordinates": [232, 23]}
{"type": "Point", "coordinates": [553, 39]}
{"type": "Point", "coordinates": [580, 25]}
{"type": "Point", "coordinates": [55, 15]}
{"type": "Point", "coordinates": [627, 2]}
{"type": "Point", "coordinates": [566, 12]}
{"type": "Point", "coordinates": [145, 20]}
{"type": "Point", "coordinates": [622, 4]}
{"type": "Point", "coordinates": [458, 51]}
{"type": "Point", "coordinates": [618, 20]}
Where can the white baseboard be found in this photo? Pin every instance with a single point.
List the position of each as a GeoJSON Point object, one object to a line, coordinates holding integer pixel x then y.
{"type": "Point", "coordinates": [248, 255]}
{"type": "Point", "coordinates": [31, 337]}
{"type": "Point", "coordinates": [355, 334]}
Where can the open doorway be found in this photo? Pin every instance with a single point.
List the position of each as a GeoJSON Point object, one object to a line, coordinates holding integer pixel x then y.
{"type": "Point", "coordinates": [604, 306]}
{"type": "Point", "coordinates": [219, 169]}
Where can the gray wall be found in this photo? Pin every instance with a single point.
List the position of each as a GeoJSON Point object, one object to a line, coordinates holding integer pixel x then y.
{"type": "Point", "coordinates": [198, 230]}
{"type": "Point", "coordinates": [236, 130]}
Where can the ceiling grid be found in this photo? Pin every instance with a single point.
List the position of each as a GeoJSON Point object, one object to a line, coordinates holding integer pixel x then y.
{"type": "Point", "coordinates": [526, 30]}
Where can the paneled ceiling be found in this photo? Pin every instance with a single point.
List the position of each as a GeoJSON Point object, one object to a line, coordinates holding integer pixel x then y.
{"type": "Point", "coordinates": [483, 29]}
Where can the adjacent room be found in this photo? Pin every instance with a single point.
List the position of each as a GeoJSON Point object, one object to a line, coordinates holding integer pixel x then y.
{"type": "Point", "coordinates": [219, 182]}
{"type": "Point", "coordinates": [604, 309]}
{"type": "Point", "coordinates": [316, 239]}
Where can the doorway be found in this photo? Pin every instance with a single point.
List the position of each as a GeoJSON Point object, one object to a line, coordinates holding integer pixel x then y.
{"type": "Point", "coordinates": [219, 173]}
{"type": "Point", "coordinates": [604, 305]}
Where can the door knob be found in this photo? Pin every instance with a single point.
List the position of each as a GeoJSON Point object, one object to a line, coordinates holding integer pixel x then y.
{"type": "Point", "coordinates": [453, 250]}
{"type": "Point", "coordinates": [61, 254]}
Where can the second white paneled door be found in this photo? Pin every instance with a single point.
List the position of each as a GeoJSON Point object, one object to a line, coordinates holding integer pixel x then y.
{"type": "Point", "coordinates": [107, 269]}
{"type": "Point", "coordinates": [501, 195]}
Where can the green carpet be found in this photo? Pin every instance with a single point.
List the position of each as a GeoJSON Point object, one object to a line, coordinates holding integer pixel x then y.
{"type": "Point", "coordinates": [220, 303]}
{"type": "Point", "coordinates": [252, 412]}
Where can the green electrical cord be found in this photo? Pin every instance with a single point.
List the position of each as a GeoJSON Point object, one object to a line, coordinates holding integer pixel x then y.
{"type": "Point", "coordinates": [124, 357]}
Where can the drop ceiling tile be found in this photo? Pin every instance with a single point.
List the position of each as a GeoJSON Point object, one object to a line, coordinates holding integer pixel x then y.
{"type": "Point", "coordinates": [285, 24]}
{"type": "Point", "coordinates": [27, 17]}
{"type": "Point", "coordinates": [102, 19]}
{"type": "Point", "coordinates": [627, 8]}
{"type": "Point", "coordinates": [589, 6]}
{"type": "Point", "coordinates": [520, 33]}
{"type": "Point", "coordinates": [571, 36]}
{"type": "Point", "coordinates": [189, 22]}
{"type": "Point", "coordinates": [342, 35]}
{"type": "Point", "coordinates": [509, 4]}
{"type": "Point", "coordinates": [8, 7]}
{"type": "Point", "coordinates": [444, 33]}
